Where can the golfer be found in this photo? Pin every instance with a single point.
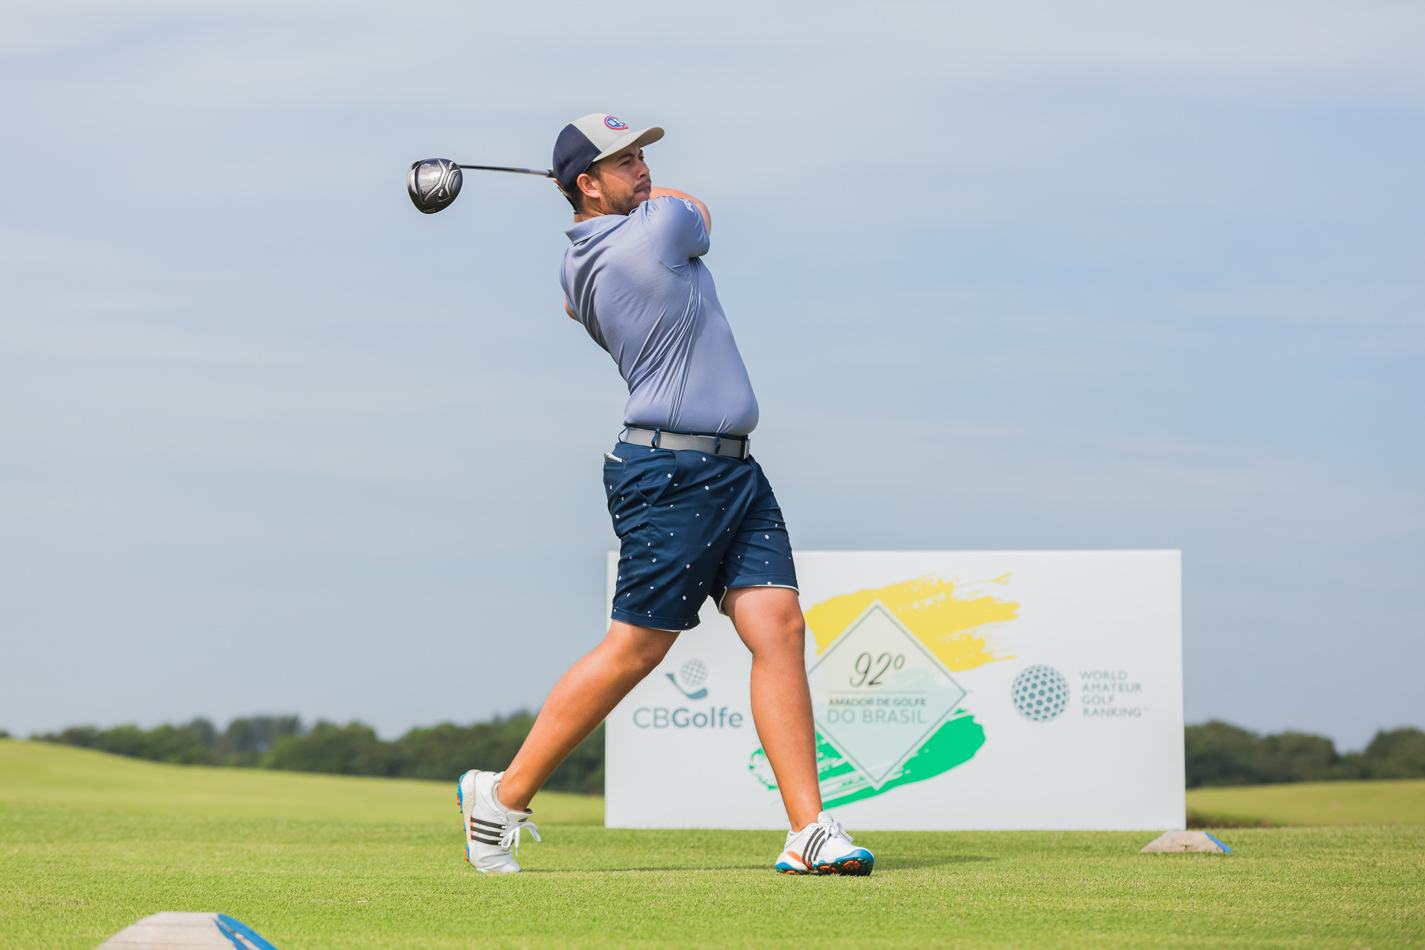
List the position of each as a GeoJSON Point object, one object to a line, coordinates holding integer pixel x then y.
{"type": "Point", "coordinates": [693, 511]}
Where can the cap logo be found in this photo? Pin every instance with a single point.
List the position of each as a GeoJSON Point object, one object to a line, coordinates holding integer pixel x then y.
{"type": "Point", "coordinates": [615, 123]}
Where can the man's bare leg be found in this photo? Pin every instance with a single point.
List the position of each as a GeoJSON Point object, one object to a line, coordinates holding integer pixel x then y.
{"type": "Point", "coordinates": [769, 620]}
{"type": "Point", "coordinates": [579, 702]}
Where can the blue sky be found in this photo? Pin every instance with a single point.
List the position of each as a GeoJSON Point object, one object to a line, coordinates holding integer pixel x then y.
{"type": "Point", "coordinates": [1109, 276]}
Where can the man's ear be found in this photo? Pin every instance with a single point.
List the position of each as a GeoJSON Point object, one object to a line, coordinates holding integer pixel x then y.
{"type": "Point", "coordinates": [589, 185]}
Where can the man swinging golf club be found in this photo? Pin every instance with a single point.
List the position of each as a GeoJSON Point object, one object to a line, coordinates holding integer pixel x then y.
{"type": "Point", "coordinates": [693, 511]}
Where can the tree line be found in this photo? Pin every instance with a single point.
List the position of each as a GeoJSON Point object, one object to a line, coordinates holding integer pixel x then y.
{"type": "Point", "coordinates": [283, 742]}
{"type": "Point", "coordinates": [1216, 753]}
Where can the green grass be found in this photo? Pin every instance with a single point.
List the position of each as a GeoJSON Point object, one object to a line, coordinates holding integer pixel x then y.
{"type": "Point", "coordinates": [90, 843]}
{"type": "Point", "coordinates": [1384, 802]}
{"type": "Point", "coordinates": [34, 773]}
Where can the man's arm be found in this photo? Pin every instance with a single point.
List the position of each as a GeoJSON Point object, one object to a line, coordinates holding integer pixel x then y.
{"type": "Point", "coordinates": [702, 208]}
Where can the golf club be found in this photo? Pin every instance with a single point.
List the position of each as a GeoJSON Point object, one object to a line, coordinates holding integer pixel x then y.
{"type": "Point", "coordinates": [434, 183]}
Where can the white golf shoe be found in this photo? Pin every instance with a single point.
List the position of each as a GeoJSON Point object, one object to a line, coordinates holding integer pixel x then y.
{"type": "Point", "coordinates": [490, 831]}
{"type": "Point", "coordinates": [823, 848]}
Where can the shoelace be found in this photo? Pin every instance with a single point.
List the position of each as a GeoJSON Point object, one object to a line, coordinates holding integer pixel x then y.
{"type": "Point", "coordinates": [833, 828]}
{"type": "Point", "coordinates": [511, 836]}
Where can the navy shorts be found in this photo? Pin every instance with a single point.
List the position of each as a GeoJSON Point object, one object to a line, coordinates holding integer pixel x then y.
{"type": "Point", "coordinates": [691, 525]}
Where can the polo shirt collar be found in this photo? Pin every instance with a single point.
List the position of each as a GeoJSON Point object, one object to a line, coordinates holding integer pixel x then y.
{"type": "Point", "coordinates": [587, 229]}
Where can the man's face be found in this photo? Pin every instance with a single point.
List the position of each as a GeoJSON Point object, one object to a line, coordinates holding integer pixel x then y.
{"type": "Point", "coordinates": [623, 181]}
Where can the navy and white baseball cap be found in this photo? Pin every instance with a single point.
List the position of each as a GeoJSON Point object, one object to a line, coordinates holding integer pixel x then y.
{"type": "Point", "coordinates": [584, 141]}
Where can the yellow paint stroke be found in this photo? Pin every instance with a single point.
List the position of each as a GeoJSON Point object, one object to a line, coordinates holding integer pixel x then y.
{"type": "Point", "coordinates": [943, 614]}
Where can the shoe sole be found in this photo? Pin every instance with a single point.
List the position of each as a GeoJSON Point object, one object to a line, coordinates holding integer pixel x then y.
{"type": "Point", "coordinates": [853, 865]}
{"type": "Point", "coordinates": [850, 866]}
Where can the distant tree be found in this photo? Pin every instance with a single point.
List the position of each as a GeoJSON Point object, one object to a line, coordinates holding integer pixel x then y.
{"type": "Point", "coordinates": [352, 749]}
{"type": "Point", "coordinates": [81, 736]}
{"type": "Point", "coordinates": [443, 752]}
{"type": "Point", "coordinates": [179, 745]}
{"type": "Point", "coordinates": [438, 752]}
{"type": "Point", "coordinates": [246, 740]}
{"type": "Point", "coordinates": [198, 742]}
{"type": "Point", "coordinates": [1296, 757]}
{"type": "Point", "coordinates": [202, 730]}
{"type": "Point", "coordinates": [1399, 753]}
{"type": "Point", "coordinates": [1218, 753]}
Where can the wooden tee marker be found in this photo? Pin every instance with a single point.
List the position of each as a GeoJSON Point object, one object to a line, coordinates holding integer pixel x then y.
{"type": "Point", "coordinates": [1183, 842]}
{"type": "Point", "coordinates": [176, 930]}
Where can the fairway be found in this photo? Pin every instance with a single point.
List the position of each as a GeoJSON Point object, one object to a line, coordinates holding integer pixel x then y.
{"type": "Point", "coordinates": [92, 842]}
{"type": "Point", "coordinates": [1382, 802]}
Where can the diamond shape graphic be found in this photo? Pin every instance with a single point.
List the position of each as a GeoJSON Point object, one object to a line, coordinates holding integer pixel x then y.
{"type": "Point", "coordinates": [878, 694]}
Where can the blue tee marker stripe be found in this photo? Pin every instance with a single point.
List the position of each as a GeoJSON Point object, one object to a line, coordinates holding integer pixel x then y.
{"type": "Point", "coordinates": [1214, 840]}
{"type": "Point", "coordinates": [242, 936]}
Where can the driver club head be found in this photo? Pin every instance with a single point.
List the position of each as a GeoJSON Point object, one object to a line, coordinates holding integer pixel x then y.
{"type": "Point", "coordinates": [433, 184]}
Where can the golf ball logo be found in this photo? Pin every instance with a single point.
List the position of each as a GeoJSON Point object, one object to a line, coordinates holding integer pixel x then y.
{"type": "Point", "coordinates": [690, 679]}
{"type": "Point", "coordinates": [1040, 693]}
{"type": "Point", "coordinates": [694, 673]}
{"type": "Point", "coordinates": [615, 123]}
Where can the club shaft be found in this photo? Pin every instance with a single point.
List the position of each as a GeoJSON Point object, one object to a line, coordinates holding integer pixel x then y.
{"type": "Point", "coordinates": [542, 172]}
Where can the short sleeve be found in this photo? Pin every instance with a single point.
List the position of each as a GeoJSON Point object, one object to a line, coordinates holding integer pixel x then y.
{"type": "Point", "coordinates": [676, 228]}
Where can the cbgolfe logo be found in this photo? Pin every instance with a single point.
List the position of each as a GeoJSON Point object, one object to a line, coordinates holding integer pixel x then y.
{"type": "Point", "coordinates": [615, 123]}
{"type": "Point", "coordinates": [695, 673]}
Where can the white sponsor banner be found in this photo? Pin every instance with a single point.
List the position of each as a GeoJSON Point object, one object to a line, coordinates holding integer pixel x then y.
{"type": "Point", "coordinates": [951, 689]}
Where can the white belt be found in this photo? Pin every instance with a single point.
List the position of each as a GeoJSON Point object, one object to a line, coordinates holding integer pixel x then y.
{"type": "Point", "coordinates": [736, 446]}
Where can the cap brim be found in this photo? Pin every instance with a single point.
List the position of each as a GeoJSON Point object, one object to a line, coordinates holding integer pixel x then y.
{"type": "Point", "coordinates": [639, 139]}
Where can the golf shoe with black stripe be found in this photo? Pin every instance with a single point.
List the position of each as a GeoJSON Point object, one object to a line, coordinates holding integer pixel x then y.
{"type": "Point", "coordinates": [491, 832]}
{"type": "Point", "coordinates": [824, 848]}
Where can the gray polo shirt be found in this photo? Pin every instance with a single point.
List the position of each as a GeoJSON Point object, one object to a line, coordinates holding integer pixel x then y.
{"type": "Point", "coordinates": [637, 285]}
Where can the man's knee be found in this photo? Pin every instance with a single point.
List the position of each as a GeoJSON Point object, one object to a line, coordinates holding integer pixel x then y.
{"type": "Point", "coordinates": [769, 619]}
{"type": "Point", "coordinates": [792, 631]}
{"type": "Point", "coordinates": [646, 659]}
{"type": "Point", "coordinates": [785, 639]}
{"type": "Point", "coordinates": [639, 649]}
{"type": "Point", "coordinates": [786, 622]}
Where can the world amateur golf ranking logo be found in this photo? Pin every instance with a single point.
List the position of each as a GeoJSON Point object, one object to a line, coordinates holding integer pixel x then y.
{"type": "Point", "coordinates": [688, 679]}
{"type": "Point", "coordinates": [1040, 693]}
{"type": "Point", "coordinates": [615, 123]}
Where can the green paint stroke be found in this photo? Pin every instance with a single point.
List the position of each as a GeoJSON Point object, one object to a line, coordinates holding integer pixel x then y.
{"type": "Point", "coordinates": [954, 743]}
